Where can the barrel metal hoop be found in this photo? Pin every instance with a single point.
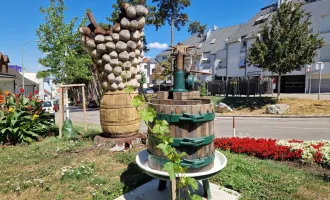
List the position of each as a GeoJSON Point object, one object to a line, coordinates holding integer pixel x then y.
{"type": "Point", "coordinates": [185, 117]}
{"type": "Point", "coordinates": [177, 142]}
{"type": "Point", "coordinates": [194, 164]}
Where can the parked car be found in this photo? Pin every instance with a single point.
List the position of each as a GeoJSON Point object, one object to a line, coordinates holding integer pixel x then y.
{"type": "Point", "coordinates": [148, 90]}
{"type": "Point", "coordinates": [92, 104]}
{"type": "Point", "coordinates": [48, 106]}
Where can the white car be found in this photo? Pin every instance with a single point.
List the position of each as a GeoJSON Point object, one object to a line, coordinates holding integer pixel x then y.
{"type": "Point", "coordinates": [49, 107]}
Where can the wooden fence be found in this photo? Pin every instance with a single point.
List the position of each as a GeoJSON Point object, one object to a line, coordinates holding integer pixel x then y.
{"type": "Point", "coordinates": [241, 87]}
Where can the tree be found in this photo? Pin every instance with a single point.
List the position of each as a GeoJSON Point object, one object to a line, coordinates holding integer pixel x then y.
{"type": "Point", "coordinates": [286, 43]}
{"type": "Point", "coordinates": [195, 28]}
{"type": "Point", "coordinates": [166, 68]}
{"type": "Point", "coordinates": [64, 57]}
{"type": "Point", "coordinates": [157, 75]}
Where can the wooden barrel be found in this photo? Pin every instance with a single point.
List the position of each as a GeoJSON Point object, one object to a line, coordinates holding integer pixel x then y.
{"type": "Point", "coordinates": [191, 124]}
{"type": "Point", "coordinates": [117, 115]}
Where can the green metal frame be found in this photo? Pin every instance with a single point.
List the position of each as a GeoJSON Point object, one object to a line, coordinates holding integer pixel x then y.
{"type": "Point", "coordinates": [184, 117]}
{"type": "Point", "coordinates": [195, 142]}
{"type": "Point", "coordinates": [194, 164]}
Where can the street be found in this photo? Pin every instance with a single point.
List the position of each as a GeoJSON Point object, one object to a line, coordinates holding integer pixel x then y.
{"type": "Point", "coordinates": [277, 128]}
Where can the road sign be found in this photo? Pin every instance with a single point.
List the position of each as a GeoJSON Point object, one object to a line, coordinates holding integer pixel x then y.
{"type": "Point", "coordinates": [319, 66]}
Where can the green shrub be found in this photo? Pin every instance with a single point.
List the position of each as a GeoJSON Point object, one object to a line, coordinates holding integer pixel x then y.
{"type": "Point", "coordinates": [22, 119]}
{"type": "Point", "coordinates": [203, 90]}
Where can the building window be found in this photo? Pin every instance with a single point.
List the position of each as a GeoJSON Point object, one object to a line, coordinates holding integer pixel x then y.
{"type": "Point", "coordinates": [243, 45]}
{"type": "Point", "coordinates": [325, 54]}
{"type": "Point", "coordinates": [325, 24]}
{"type": "Point", "coordinates": [242, 62]}
{"type": "Point", "coordinates": [206, 60]}
{"type": "Point", "coordinates": [213, 41]}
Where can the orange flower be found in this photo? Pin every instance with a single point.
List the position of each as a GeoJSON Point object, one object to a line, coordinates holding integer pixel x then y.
{"type": "Point", "coordinates": [7, 93]}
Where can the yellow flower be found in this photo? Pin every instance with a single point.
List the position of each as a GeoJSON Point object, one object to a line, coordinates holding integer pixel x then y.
{"type": "Point", "coordinates": [11, 109]}
{"type": "Point", "coordinates": [35, 117]}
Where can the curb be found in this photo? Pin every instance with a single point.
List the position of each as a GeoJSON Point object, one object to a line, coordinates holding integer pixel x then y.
{"type": "Point", "coordinates": [274, 116]}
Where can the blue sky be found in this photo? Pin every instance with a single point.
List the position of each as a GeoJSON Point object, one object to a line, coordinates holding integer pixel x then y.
{"type": "Point", "coordinates": [21, 18]}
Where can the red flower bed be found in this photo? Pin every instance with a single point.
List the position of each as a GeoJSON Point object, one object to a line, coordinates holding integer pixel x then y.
{"type": "Point", "coordinates": [261, 148]}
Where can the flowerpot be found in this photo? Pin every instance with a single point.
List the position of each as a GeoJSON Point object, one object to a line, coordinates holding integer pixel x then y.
{"type": "Point", "coordinates": [117, 115]}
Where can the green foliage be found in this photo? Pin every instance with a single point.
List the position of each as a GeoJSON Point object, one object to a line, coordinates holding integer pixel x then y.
{"type": "Point", "coordinates": [202, 89]}
{"type": "Point", "coordinates": [286, 43]}
{"type": "Point", "coordinates": [22, 119]}
{"type": "Point", "coordinates": [138, 101]}
{"type": "Point", "coordinates": [169, 10]}
{"type": "Point", "coordinates": [185, 183]}
{"type": "Point", "coordinates": [64, 57]}
{"type": "Point", "coordinates": [195, 28]}
{"type": "Point", "coordinates": [148, 114]}
{"type": "Point", "coordinates": [143, 79]}
{"type": "Point", "coordinates": [166, 68]}
{"type": "Point", "coordinates": [160, 128]}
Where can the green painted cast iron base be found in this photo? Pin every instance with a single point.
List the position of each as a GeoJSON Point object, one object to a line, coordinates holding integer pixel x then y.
{"type": "Point", "coordinates": [179, 82]}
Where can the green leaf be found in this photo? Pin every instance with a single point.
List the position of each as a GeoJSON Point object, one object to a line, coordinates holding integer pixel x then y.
{"type": "Point", "coordinates": [138, 101]}
{"type": "Point", "coordinates": [170, 169]}
{"type": "Point", "coordinates": [166, 149]}
{"type": "Point", "coordinates": [25, 101]}
{"type": "Point", "coordinates": [129, 89]}
{"type": "Point", "coordinates": [192, 183]}
{"type": "Point", "coordinates": [195, 197]}
{"type": "Point", "coordinates": [148, 114]}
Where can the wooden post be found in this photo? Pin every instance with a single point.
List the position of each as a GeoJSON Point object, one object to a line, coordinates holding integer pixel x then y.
{"type": "Point", "coordinates": [61, 112]}
{"type": "Point", "coordinates": [173, 190]}
{"type": "Point", "coordinates": [84, 106]}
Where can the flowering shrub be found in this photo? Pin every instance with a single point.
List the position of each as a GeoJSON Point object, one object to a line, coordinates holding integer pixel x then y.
{"type": "Point", "coordinates": [22, 119]}
{"type": "Point", "coordinates": [293, 150]}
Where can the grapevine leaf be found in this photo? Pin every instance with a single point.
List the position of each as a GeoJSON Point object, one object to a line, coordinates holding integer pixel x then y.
{"type": "Point", "coordinates": [183, 154]}
{"type": "Point", "coordinates": [129, 89]}
{"type": "Point", "coordinates": [160, 127]}
{"type": "Point", "coordinates": [166, 149]}
{"type": "Point", "coordinates": [192, 183]}
{"type": "Point", "coordinates": [170, 168]}
{"type": "Point", "coordinates": [195, 197]}
{"type": "Point", "coordinates": [148, 114]}
{"type": "Point", "coordinates": [168, 140]}
{"type": "Point", "coordinates": [137, 101]}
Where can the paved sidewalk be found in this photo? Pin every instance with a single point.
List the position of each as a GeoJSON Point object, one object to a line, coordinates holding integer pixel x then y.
{"type": "Point", "coordinates": [323, 96]}
{"type": "Point", "coordinates": [149, 191]}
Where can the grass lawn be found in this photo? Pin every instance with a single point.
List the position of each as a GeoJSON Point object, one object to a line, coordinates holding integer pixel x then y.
{"type": "Point", "coordinates": [266, 179]}
{"type": "Point", "coordinates": [257, 105]}
{"type": "Point", "coordinates": [61, 169]}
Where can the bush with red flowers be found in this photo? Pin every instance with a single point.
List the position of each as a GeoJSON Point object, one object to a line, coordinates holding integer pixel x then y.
{"type": "Point", "coordinates": [293, 150]}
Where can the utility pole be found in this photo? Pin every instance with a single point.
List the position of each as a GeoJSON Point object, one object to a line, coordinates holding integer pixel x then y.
{"type": "Point", "coordinates": [23, 59]}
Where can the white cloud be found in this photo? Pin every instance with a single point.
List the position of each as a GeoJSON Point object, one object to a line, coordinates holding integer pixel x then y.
{"type": "Point", "coordinates": [157, 45]}
{"type": "Point", "coordinates": [147, 57]}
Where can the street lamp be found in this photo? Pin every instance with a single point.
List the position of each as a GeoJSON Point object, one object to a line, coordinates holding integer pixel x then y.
{"type": "Point", "coordinates": [23, 59]}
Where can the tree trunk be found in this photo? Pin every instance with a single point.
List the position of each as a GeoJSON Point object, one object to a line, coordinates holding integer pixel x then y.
{"type": "Point", "coordinates": [172, 44]}
{"type": "Point", "coordinates": [279, 88]}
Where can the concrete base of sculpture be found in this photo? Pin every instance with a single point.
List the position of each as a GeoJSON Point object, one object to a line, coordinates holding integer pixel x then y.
{"type": "Point", "coordinates": [149, 191]}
